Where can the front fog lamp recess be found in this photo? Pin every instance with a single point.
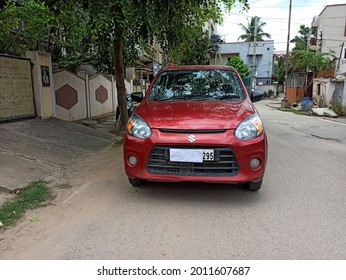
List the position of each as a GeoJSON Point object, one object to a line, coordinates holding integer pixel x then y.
{"type": "Point", "coordinates": [132, 160]}
{"type": "Point", "coordinates": [254, 163]}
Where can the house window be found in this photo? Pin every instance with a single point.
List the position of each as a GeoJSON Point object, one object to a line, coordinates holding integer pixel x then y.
{"type": "Point", "coordinates": [344, 53]}
{"type": "Point", "coordinates": [318, 89]}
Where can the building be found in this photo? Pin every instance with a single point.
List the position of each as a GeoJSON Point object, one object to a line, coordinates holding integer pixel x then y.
{"type": "Point", "coordinates": [263, 63]}
{"type": "Point", "coordinates": [331, 33]}
{"type": "Point", "coordinates": [146, 67]}
{"type": "Point", "coordinates": [331, 36]}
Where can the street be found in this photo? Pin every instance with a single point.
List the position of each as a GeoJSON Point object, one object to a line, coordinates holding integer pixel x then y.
{"type": "Point", "coordinates": [299, 213]}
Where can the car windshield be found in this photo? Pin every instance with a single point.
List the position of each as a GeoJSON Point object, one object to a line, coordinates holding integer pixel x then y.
{"type": "Point", "coordinates": [197, 85]}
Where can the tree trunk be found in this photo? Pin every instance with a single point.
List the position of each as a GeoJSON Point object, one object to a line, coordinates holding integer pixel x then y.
{"type": "Point", "coordinates": [120, 77]}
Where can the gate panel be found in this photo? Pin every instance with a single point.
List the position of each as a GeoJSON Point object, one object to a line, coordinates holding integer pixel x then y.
{"type": "Point", "coordinates": [16, 92]}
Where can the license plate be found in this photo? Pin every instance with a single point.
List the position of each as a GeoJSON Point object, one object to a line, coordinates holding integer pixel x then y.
{"type": "Point", "coordinates": [191, 155]}
{"type": "Point", "coordinates": [208, 155]}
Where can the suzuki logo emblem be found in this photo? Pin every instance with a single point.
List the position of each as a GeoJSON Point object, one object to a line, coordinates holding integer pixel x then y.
{"type": "Point", "coordinates": [191, 138]}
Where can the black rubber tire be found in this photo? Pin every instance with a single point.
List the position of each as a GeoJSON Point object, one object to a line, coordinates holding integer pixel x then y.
{"type": "Point", "coordinates": [254, 186]}
{"type": "Point", "coordinates": [135, 182]}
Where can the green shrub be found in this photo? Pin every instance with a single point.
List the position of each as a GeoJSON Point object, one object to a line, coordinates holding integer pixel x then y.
{"type": "Point", "coordinates": [337, 108]}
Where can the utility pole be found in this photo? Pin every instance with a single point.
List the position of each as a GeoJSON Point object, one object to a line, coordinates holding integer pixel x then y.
{"type": "Point", "coordinates": [288, 46]}
{"type": "Point", "coordinates": [253, 76]}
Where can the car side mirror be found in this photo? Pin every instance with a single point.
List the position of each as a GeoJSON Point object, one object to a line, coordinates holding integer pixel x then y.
{"type": "Point", "coordinates": [256, 96]}
{"type": "Point", "coordinates": [137, 96]}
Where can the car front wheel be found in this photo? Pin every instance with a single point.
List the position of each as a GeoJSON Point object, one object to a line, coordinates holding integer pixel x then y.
{"type": "Point", "coordinates": [254, 186]}
{"type": "Point", "coordinates": [135, 182]}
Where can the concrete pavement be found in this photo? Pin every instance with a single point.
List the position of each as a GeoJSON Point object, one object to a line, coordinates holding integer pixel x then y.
{"type": "Point", "coordinates": [276, 104]}
{"type": "Point", "coordinates": [35, 149]}
{"type": "Point", "coordinates": [299, 214]}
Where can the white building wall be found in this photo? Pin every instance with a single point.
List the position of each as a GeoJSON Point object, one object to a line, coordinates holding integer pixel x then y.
{"type": "Point", "coordinates": [96, 96]}
{"type": "Point", "coordinates": [264, 55]}
{"type": "Point", "coordinates": [327, 90]}
{"type": "Point", "coordinates": [331, 35]}
{"type": "Point", "coordinates": [96, 107]}
{"type": "Point", "coordinates": [79, 110]}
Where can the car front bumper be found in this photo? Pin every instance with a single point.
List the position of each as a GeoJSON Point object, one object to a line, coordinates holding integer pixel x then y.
{"type": "Point", "coordinates": [244, 151]}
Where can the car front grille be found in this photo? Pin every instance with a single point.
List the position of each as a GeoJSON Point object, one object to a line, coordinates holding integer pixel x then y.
{"type": "Point", "coordinates": [225, 163]}
{"type": "Point", "coordinates": [204, 131]}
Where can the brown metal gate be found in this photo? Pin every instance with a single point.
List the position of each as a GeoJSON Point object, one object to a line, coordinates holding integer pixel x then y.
{"type": "Point", "coordinates": [16, 90]}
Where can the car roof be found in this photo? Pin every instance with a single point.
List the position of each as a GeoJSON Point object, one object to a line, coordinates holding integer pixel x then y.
{"type": "Point", "coordinates": [197, 67]}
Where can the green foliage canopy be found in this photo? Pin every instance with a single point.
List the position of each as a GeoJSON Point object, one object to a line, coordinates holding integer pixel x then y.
{"type": "Point", "coordinates": [239, 65]}
{"type": "Point", "coordinates": [306, 60]}
{"type": "Point", "coordinates": [301, 41]}
{"type": "Point", "coordinates": [280, 69]}
{"type": "Point", "coordinates": [198, 48]}
{"type": "Point", "coordinates": [69, 35]}
{"type": "Point", "coordinates": [109, 34]}
{"type": "Point", "coordinates": [24, 26]}
{"type": "Point", "coordinates": [249, 35]}
{"type": "Point", "coordinates": [168, 22]}
{"type": "Point", "coordinates": [303, 59]}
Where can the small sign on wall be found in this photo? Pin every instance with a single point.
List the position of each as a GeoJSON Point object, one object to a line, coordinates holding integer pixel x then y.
{"type": "Point", "coordinates": [45, 76]}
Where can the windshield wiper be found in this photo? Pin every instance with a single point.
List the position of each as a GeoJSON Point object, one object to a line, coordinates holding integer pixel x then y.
{"type": "Point", "coordinates": [199, 97]}
{"type": "Point", "coordinates": [180, 97]}
{"type": "Point", "coordinates": [228, 96]}
{"type": "Point", "coordinates": [172, 98]}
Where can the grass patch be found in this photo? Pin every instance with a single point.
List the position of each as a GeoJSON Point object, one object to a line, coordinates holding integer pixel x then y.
{"type": "Point", "coordinates": [34, 195]}
{"type": "Point", "coordinates": [297, 112]}
{"type": "Point", "coordinates": [337, 108]}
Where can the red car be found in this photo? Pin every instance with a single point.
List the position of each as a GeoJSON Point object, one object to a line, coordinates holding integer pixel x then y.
{"type": "Point", "coordinates": [196, 123]}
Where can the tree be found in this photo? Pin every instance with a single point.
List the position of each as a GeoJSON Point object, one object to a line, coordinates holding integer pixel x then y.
{"type": "Point", "coordinates": [55, 26]}
{"type": "Point", "coordinates": [198, 48]}
{"type": "Point", "coordinates": [69, 35]}
{"type": "Point", "coordinates": [302, 59]}
{"type": "Point", "coordinates": [216, 39]}
{"type": "Point", "coordinates": [280, 69]}
{"type": "Point", "coordinates": [110, 34]}
{"type": "Point", "coordinates": [306, 60]}
{"type": "Point", "coordinates": [24, 26]}
{"type": "Point", "coordinates": [301, 41]}
{"type": "Point", "coordinates": [239, 65]}
{"type": "Point", "coordinates": [249, 30]}
{"type": "Point", "coordinates": [169, 22]}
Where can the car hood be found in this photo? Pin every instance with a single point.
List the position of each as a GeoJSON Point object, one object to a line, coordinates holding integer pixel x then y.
{"type": "Point", "coordinates": [206, 115]}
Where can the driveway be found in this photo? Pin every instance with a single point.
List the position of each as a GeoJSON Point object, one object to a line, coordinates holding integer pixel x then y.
{"type": "Point", "coordinates": [35, 149]}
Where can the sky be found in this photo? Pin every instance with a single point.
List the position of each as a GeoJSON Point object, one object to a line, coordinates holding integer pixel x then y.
{"type": "Point", "coordinates": [275, 13]}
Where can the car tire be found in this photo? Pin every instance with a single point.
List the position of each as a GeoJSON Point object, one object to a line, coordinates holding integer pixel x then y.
{"type": "Point", "coordinates": [254, 186]}
{"type": "Point", "coordinates": [135, 182]}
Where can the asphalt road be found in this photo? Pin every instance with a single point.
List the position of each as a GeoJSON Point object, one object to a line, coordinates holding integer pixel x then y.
{"type": "Point", "coordinates": [298, 214]}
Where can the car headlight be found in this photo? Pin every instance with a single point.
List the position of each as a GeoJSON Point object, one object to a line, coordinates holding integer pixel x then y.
{"type": "Point", "coordinates": [249, 128]}
{"type": "Point", "coordinates": [137, 127]}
